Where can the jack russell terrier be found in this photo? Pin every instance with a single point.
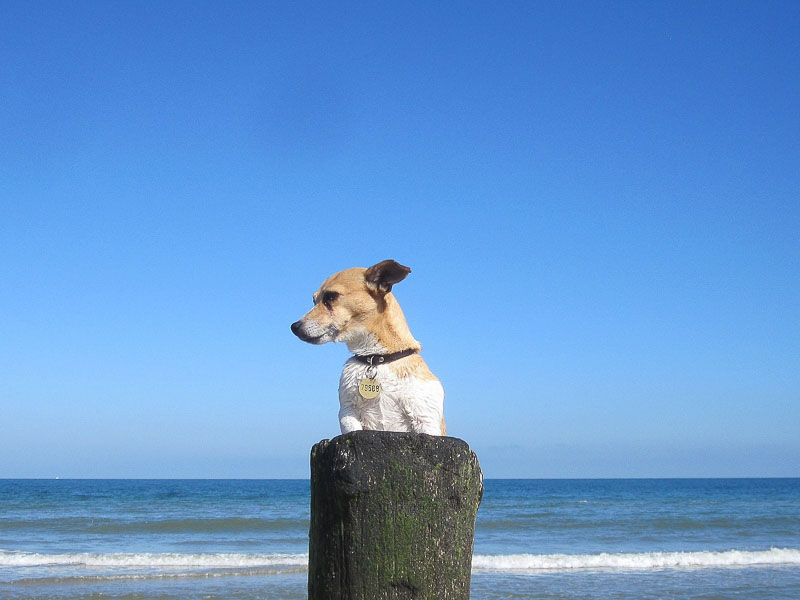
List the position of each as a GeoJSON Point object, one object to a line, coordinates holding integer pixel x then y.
{"type": "Point", "coordinates": [386, 384]}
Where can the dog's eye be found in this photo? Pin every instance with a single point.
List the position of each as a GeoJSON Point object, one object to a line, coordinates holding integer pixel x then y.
{"type": "Point", "coordinates": [328, 298]}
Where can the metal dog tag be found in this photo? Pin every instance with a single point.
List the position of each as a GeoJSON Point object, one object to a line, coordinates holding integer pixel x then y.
{"type": "Point", "coordinates": [369, 388]}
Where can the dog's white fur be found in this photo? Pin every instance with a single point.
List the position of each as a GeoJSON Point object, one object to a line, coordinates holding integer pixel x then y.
{"type": "Point", "coordinates": [356, 307]}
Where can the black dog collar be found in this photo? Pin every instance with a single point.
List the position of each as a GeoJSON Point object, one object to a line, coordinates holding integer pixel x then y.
{"type": "Point", "coordinates": [373, 360]}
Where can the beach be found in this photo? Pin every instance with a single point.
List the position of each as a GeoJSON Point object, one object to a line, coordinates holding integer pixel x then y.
{"type": "Point", "coordinates": [626, 539]}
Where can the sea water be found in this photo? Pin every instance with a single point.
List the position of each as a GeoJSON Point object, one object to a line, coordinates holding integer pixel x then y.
{"type": "Point", "coordinates": [550, 539]}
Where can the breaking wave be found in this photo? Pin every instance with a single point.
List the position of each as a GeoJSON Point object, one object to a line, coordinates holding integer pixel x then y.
{"type": "Point", "coordinates": [157, 565]}
{"type": "Point", "coordinates": [150, 560]}
{"type": "Point", "coordinates": [644, 560]}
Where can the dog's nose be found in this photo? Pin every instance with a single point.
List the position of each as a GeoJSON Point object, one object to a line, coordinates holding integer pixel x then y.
{"type": "Point", "coordinates": [296, 327]}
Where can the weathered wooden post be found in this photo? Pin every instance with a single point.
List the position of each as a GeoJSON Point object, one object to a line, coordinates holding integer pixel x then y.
{"type": "Point", "coordinates": [392, 517]}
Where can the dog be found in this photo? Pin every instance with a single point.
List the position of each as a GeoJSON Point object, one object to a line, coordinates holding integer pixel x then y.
{"type": "Point", "coordinates": [385, 385]}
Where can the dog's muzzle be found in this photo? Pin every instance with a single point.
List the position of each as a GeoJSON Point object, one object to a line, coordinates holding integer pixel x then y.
{"type": "Point", "coordinates": [299, 331]}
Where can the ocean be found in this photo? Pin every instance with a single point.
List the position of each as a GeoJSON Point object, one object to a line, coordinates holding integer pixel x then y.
{"type": "Point", "coordinates": [544, 539]}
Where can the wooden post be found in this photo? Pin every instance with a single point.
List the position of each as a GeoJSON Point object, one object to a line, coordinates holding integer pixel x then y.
{"type": "Point", "coordinates": [392, 517]}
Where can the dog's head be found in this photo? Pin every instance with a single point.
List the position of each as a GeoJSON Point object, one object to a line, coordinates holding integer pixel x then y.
{"type": "Point", "coordinates": [349, 304]}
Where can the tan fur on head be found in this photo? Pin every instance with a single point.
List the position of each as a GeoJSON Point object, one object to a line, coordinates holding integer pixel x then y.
{"type": "Point", "coordinates": [356, 306]}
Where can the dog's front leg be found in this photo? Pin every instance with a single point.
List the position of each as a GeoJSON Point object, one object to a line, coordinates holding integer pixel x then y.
{"type": "Point", "coordinates": [426, 425]}
{"type": "Point", "coordinates": [348, 419]}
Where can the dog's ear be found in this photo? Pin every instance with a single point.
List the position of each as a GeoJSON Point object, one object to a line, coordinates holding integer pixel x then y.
{"type": "Point", "coordinates": [384, 275]}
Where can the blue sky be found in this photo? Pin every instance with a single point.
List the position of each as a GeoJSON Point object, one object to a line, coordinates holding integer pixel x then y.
{"type": "Point", "coordinates": [600, 203]}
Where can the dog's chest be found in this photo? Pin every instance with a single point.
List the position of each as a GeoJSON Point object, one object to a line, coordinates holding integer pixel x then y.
{"type": "Point", "coordinates": [391, 409]}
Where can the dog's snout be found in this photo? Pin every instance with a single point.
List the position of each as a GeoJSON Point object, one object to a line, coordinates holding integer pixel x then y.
{"type": "Point", "coordinates": [296, 326]}
{"type": "Point", "coordinates": [300, 329]}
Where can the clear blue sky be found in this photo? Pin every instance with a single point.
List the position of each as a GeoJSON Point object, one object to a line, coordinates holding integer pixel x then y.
{"type": "Point", "coordinates": [600, 203]}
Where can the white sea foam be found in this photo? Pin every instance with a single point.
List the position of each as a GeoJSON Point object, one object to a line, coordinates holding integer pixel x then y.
{"type": "Point", "coordinates": [644, 560]}
{"type": "Point", "coordinates": [485, 563]}
{"type": "Point", "coordinates": [150, 560]}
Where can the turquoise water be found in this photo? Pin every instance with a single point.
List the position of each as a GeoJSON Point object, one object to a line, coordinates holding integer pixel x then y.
{"type": "Point", "coordinates": [626, 539]}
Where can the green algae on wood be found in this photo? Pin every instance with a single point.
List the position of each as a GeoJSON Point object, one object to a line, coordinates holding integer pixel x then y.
{"type": "Point", "coordinates": [392, 517]}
